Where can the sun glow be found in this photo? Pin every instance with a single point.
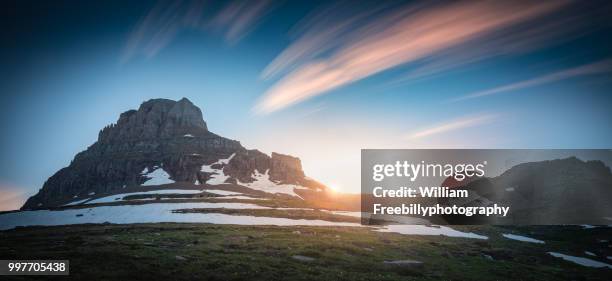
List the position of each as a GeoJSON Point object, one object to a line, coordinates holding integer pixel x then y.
{"type": "Point", "coordinates": [333, 187]}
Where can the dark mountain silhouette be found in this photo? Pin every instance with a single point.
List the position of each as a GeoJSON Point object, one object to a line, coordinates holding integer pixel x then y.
{"type": "Point", "coordinates": [561, 191]}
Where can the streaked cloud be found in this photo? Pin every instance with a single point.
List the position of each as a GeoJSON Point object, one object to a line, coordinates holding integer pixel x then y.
{"type": "Point", "coordinates": [320, 32]}
{"type": "Point", "coordinates": [600, 67]}
{"type": "Point", "coordinates": [574, 20]}
{"type": "Point", "coordinates": [399, 37]}
{"type": "Point", "coordinates": [160, 26]}
{"type": "Point", "coordinates": [453, 125]}
{"type": "Point", "coordinates": [239, 17]}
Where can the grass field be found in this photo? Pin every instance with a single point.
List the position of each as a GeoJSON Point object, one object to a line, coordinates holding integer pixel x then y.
{"type": "Point", "coordinates": [170, 251]}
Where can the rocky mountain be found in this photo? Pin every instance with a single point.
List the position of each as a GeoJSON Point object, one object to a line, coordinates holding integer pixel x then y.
{"type": "Point", "coordinates": [561, 191]}
{"type": "Point", "coordinates": [165, 142]}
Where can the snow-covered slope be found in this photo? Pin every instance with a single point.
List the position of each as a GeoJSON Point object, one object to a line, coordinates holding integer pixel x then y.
{"type": "Point", "coordinates": [156, 177]}
{"type": "Point", "coordinates": [263, 183]}
{"type": "Point", "coordinates": [149, 213]}
{"type": "Point", "coordinates": [217, 175]}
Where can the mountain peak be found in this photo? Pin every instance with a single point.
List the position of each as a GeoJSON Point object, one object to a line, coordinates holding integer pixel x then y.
{"type": "Point", "coordinates": [184, 99]}
{"type": "Point", "coordinates": [168, 138]}
{"type": "Point", "coordinates": [157, 118]}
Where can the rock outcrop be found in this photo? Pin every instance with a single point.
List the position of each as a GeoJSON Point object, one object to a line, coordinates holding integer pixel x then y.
{"type": "Point", "coordinates": [286, 169]}
{"type": "Point", "coordinates": [167, 135]}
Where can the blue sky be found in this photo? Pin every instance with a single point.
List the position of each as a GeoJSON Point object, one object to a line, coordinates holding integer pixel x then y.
{"type": "Point", "coordinates": [318, 80]}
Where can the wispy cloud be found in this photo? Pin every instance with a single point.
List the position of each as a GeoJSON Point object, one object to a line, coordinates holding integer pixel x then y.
{"type": "Point", "coordinates": [320, 32]}
{"type": "Point", "coordinates": [453, 125]}
{"type": "Point", "coordinates": [600, 67]}
{"type": "Point", "coordinates": [575, 20]}
{"type": "Point", "coordinates": [239, 17]}
{"type": "Point", "coordinates": [397, 38]}
{"type": "Point", "coordinates": [167, 19]}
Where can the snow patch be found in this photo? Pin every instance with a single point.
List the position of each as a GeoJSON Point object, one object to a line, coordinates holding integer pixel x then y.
{"type": "Point", "coordinates": [119, 197]}
{"type": "Point", "coordinates": [240, 197]}
{"type": "Point", "coordinates": [188, 136]}
{"type": "Point", "coordinates": [151, 213]}
{"type": "Point", "coordinates": [263, 183]}
{"type": "Point", "coordinates": [580, 260]}
{"type": "Point", "coordinates": [217, 175]}
{"type": "Point", "coordinates": [429, 230]}
{"type": "Point", "coordinates": [156, 177]}
{"type": "Point", "coordinates": [222, 192]}
{"type": "Point", "coordinates": [522, 238]}
{"type": "Point", "coordinates": [231, 195]}
{"type": "Point", "coordinates": [75, 202]}
{"type": "Point", "coordinates": [347, 213]}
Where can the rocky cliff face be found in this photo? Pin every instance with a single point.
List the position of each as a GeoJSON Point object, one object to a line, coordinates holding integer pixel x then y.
{"type": "Point", "coordinates": [167, 138]}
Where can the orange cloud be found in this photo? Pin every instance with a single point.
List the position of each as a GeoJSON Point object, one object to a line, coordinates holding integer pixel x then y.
{"type": "Point", "coordinates": [398, 38]}
{"type": "Point", "coordinates": [453, 125]}
{"type": "Point", "coordinates": [321, 32]}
